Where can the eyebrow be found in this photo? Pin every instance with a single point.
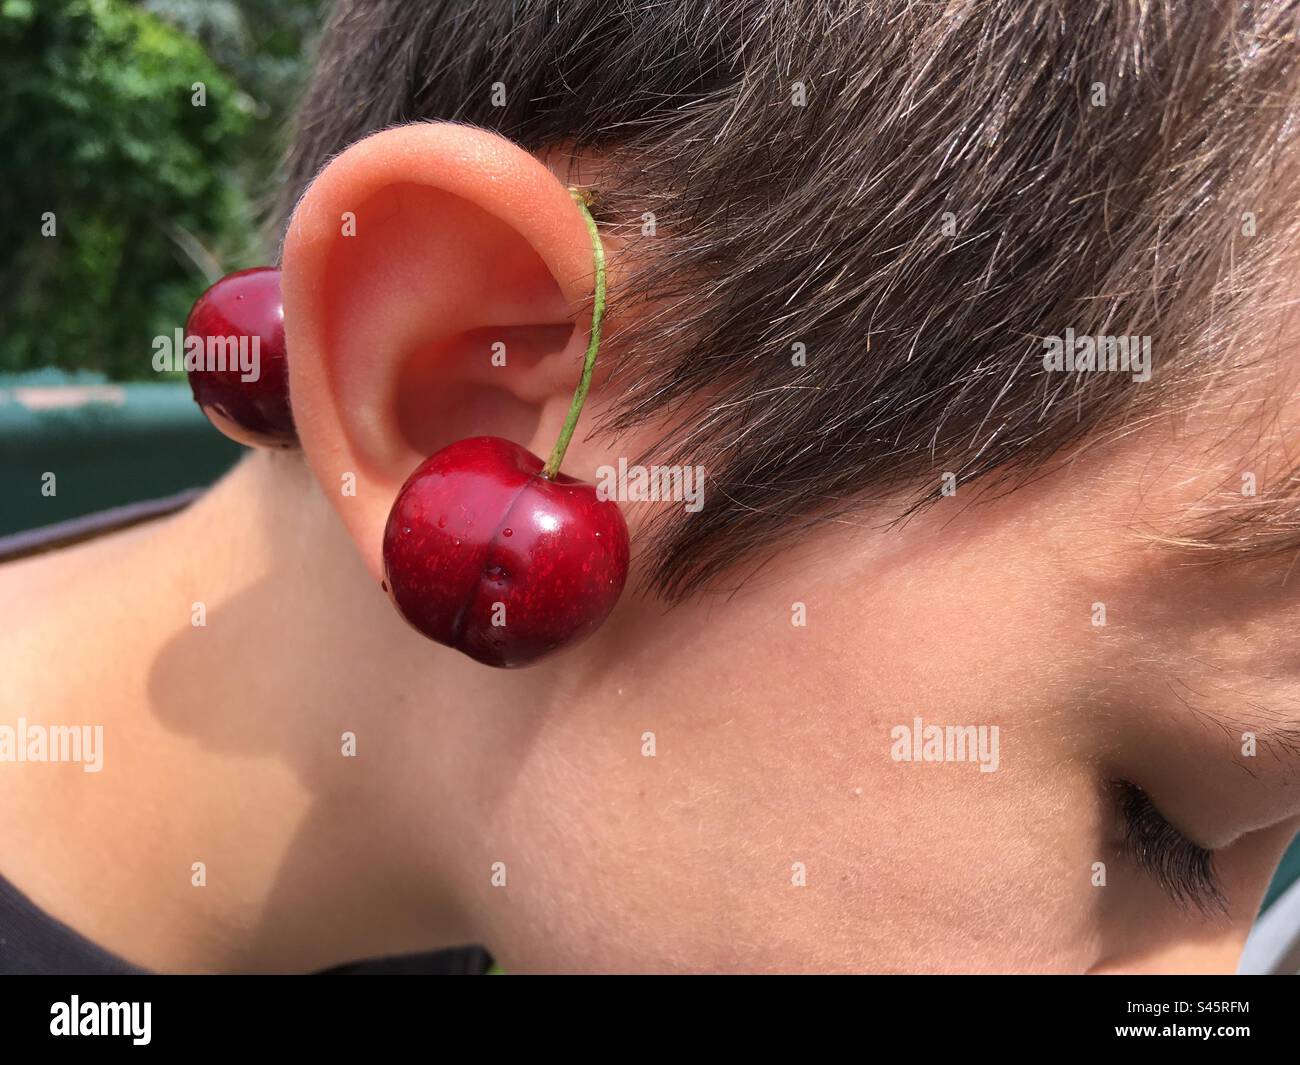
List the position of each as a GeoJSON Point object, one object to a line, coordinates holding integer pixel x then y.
{"type": "Point", "coordinates": [1252, 528]}
{"type": "Point", "coordinates": [1274, 730]}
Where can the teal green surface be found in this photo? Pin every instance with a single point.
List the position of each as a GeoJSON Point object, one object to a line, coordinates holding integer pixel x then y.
{"type": "Point", "coordinates": [122, 443]}
{"type": "Point", "coordinates": [1288, 872]}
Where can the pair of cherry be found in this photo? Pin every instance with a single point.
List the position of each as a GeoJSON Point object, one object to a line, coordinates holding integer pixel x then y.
{"type": "Point", "coordinates": [487, 549]}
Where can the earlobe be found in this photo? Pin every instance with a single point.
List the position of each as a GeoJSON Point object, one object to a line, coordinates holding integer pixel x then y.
{"type": "Point", "coordinates": [436, 281]}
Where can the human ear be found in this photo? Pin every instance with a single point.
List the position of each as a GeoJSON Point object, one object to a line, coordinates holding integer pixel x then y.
{"type": "Point", "coordinates": [437, 282]}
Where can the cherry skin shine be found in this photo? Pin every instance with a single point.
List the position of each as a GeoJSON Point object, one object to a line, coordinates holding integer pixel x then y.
{"type": "Point", "coordinates": [486, 555]}
{"type": "Point", "coordinates": [246, 305]}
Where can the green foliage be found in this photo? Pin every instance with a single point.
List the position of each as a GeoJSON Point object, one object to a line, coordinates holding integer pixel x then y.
{"type": "Point", "coordinates": [99, 121]}
{"type": "Point", "coordinates": [261, 44]}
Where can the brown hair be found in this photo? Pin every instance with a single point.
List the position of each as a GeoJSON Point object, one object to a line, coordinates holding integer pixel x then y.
{"type": "Point", "coordinates": [915, 193]}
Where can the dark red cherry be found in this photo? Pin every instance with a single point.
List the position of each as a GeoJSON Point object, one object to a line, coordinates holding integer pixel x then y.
{"type": "Point", "coordinates": [240, 376]}
{"type": "Point", "coordinates": [484, 554]}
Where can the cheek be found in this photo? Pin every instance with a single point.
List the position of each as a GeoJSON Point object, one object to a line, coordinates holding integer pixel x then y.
{"type": "Point", "coordinates": [773, 829]}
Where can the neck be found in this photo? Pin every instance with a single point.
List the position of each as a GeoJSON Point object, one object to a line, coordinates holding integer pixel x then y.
{"type": "Point", "coordinates": [228, 652]}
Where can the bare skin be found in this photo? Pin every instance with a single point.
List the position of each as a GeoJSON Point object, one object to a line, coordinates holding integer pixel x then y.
{"type": "Point", "coordinates": [224, 743]}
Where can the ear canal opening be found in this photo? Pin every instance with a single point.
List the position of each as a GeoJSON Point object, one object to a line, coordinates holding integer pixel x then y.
{"type": "Point", "coordinates": [469, 385]}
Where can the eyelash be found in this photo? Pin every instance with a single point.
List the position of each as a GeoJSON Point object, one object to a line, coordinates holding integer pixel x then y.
{"type": "Point", "coordinates": [1184, 870]}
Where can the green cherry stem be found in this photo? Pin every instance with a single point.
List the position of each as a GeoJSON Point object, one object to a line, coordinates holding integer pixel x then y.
{"type": "Point", "coordinates": [552, 467]}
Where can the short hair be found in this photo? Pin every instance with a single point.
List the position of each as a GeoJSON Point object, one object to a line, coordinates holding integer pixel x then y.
{"type": "Point", "coordinates": [911, 195]}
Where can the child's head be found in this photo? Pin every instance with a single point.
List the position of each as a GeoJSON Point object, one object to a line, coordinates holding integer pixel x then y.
{"type": "Point", "coordinates": [858, 222]}
{"type": "Point", "coordinates": [975, 317]}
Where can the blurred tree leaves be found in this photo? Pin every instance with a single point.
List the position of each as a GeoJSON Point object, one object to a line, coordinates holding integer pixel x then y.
{"type": "Point", "coordinates": [261, 44]}
{"type": "Point", "coordinates": [152, 196]}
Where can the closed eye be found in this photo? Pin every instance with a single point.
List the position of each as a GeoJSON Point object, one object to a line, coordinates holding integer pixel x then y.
{"type": "Point", "coordinates": [1182, 868]}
